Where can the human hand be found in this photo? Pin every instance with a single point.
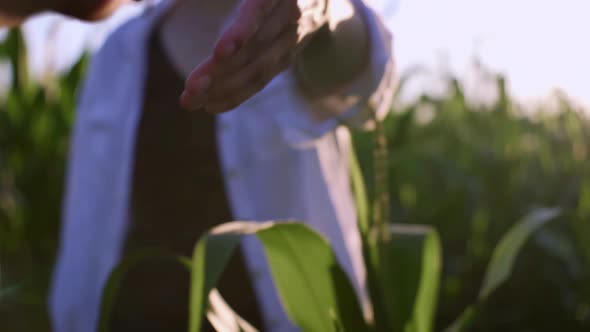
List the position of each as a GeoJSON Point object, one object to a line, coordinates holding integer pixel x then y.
{"type": "Point", "coordinates": [260, 43]}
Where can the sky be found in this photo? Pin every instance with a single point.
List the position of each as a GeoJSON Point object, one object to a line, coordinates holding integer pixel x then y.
{"type": "Point", "coordinates": [541, 45]}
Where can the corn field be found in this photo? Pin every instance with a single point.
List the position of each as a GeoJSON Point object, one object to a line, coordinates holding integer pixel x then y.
{"type": "Point", "coordinates": [470, 172]}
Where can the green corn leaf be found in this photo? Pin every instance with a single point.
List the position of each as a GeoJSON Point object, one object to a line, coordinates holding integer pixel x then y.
{"type": "Point", "coordinates": [370, 242]}
{"type": "Point", "coordinates": [310, 282]}
{"type": "Point", "coordinates": [311, 285]}
{"type": "Point", "coordinates": [414, 255]}
{"type": "Point", "coordinates": [210, 256]}
{"type": "Point", "coordinates": [510, 246]}
{"type": "Point", "coordinates": [462, 323]}
{"type": "Point", "coordinates": [14, 50]}
{"type": "Point", "coordinates": [219, 312]}
{"type": "Point", "coordinates": [503, 258]}
{"type": "Point", "coordinates": [315, 291]}
{"type": "Point", "coordinates": [581, 228]}
{"type": "Point", "coordinates": [117, 277]}
{"type": "Point", "coordinates": [360, 193]}
{"type": "Point", "coordinates": [580, 223]}
{"type": "Point", "coordinates": [583, 209]}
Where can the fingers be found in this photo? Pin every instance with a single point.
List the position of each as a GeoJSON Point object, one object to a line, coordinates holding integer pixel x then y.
{"type": "Point", "coordinates": [258, 46]}
{"type": "Point", "coordinates": [239, 60]}
{"type": "Point", "coordinates": [285, 14]}
{"type": "Point", "coordinates": [224, 106]}
{"type": "Point", "coordinates": [249, 19]}
{"type": "Point", "coordinates": [197, 84]}
{"type": "Point", "coordinates": [267, 64]}
{"type": "Point", "coordinates": [255, 76]}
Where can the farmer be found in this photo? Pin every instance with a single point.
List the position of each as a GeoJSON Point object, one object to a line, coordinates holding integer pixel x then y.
{"type": "Point", "coordinates": [255, 132]}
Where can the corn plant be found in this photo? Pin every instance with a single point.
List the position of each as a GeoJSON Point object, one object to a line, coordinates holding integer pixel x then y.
{"type": "Point", "coordinates": [403, 263]}
{"type": "Point", "coordinates": [35, 122]}
{"type": "Point", "coordinates": [315, 292]}
{"type": "Point", "coordinates": [434, 197]}
{"type": "Point", "coordinates": [470, 170]}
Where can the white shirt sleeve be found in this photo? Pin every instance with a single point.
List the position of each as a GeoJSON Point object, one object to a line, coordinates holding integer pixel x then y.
{"type": "Point", "coordinates": [368, 97]}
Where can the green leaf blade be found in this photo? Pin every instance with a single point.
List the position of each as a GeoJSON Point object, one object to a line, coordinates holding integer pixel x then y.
{"type": "Point", "coordinates": [313, 288]}
{"type": "Point", "coordinates": [323, 292]}
{"type": "Point", "coordinates": [503, 259]}
{"type": "Point", "coordinates": [116, 278]}
{"type": "Point", "coordinates": [414, 267]}
{"type": "Point", "coordinates": [509, 247]}
{"type": "Point", "coordinates": [210, 256]}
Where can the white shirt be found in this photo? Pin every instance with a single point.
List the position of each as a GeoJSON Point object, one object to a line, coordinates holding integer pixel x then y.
{"type": "Point", "coordinates": [278, 163]}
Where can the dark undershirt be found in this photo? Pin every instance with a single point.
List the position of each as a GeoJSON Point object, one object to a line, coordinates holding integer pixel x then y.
{"type": "Point", "coordinates": [177, 194]}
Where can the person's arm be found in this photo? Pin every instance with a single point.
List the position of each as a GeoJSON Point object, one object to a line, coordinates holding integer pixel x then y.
{"type": "Point", "coordinates": [268, 36]}
{"type": "Point", "coordinates": [336, 54]}
{"type": "Point", "coordinates": [13, 12]}
{"type": "Point", "coordinates": [347, 73]}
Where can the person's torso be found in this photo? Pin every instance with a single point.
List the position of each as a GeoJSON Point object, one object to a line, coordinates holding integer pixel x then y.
{"type": "Point", "coordinates": [177, 195]}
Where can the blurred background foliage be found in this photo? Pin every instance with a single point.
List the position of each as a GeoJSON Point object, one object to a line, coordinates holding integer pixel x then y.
{"type": "Point", "coordinates": [35, 123]}
{"type": "Point", "coordinates": [471, 170]}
